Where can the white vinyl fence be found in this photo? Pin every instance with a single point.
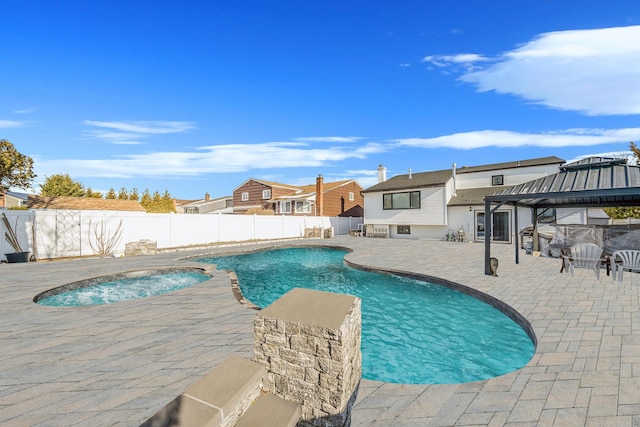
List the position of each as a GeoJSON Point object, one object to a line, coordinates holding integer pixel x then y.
{"type": "Point", "coordinates": [65, 233]}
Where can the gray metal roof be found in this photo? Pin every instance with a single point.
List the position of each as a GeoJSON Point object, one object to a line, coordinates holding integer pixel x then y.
{"type": "Point", "coordinates": [591, 182]}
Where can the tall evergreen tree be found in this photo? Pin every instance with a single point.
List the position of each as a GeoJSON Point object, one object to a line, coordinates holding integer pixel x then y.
{"type": "Point", "coordinates": [62, 185]}
{"type": "Point", "coordinates": [122, 194]}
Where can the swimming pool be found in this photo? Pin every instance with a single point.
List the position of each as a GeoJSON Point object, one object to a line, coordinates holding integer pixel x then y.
{"type": "Point", "coordinates": [413, 332]}
{"type": "Point", "coordinates": [121, 287]}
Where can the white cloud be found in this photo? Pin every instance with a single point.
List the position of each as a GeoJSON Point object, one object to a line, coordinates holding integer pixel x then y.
{"type": "Point", "coordinates": [145, 127]}
{"type": "Point", "coordinates": [595, 72]}
{"type": "Point", "coordinates": [121, 138]}
{"type": "Point", "coordinates": [209, 159]}
{"type": "Point", "coordinates": [501, 138]}
{"type": "Point", "coordinates": [329, 139]}
{"type": "Point", "coordinates": [461, 58]}
{"type": "Point", "coordinates": [5, 124]}
{"type": "Point", "coordinates": [131, 132]}
{"type": "Point", "coordinates": [26, 110]}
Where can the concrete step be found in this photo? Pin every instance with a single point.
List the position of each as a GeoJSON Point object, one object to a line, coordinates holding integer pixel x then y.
{"type": "Point", "coordinates": [217, 399]}
{"type": "Point", "coordinates": [271, 411]}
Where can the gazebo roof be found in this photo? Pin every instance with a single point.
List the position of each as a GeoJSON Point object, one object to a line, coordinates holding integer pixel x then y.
{"type": "Point", "coordinates": [591, 182]}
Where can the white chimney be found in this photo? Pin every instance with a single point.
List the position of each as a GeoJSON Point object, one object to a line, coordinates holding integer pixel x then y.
{"type": "Point", "coordinates": [410, 176]}
{"type": "Point", "coordinates": [453, 175]}
{"type": "Point", "coordinates": [382, 174]}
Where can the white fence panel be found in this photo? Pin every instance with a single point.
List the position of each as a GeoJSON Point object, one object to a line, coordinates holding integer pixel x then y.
{"type": "Point", "coordinates": [60, 233]}
{"type": "Point", "coordinates": [236, 228]}
{"type": "Point", "coordinates": [186, 230]}
{"type": "Point", "coordinates": [21, 222]}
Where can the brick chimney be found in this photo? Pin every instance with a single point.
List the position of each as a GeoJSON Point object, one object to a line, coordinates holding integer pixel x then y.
{"type": "Point", "coordinates": [320, 195]}
{"type": "Point", "coordinates": [207, 197]}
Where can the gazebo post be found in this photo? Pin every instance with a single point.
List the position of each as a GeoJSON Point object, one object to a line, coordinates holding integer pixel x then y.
{"type": "Point", "coordinates": [534, 234]}
{"type": "Point", "coordinates": [487, 237]}
{"type": "Point", "coordinates": [515, 220]}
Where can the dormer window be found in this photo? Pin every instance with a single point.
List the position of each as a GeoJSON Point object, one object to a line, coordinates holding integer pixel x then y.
{"type": "Point", "coordinates": [497, 180]}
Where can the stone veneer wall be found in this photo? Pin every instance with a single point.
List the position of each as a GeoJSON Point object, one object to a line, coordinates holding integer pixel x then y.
{"type": "Point", "coordinates": [310, 343]}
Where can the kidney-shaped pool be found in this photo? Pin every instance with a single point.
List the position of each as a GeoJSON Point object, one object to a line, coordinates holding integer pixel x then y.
{"type": "Point", "coordinates": [413, 331]}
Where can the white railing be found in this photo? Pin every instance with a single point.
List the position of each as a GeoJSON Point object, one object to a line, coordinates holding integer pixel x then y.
{"type": "Point", "coordinates": [63, 233]}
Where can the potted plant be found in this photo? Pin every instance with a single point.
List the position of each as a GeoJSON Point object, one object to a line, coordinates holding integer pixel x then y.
{"type": "Point", "coordinates": [10, 236]}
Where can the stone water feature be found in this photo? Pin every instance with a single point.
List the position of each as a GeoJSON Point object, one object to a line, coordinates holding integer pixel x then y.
{"type": "Point", "coordinates": [309, 342]}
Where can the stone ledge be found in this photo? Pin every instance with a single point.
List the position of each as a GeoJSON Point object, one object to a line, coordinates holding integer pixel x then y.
{"type": "Point", "coordinates": [231, 386]}
{"type": "Point", "coordinates": [271, 411]}
{"type": "Point", "coordinates": [218, 399]}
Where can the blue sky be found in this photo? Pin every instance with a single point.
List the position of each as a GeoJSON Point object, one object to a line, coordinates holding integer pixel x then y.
{"type": "Point", "coordinates": [199, 96]}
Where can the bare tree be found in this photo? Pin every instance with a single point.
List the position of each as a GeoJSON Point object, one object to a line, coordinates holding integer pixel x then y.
{"type": "Point", "coordinates": [105, 241]}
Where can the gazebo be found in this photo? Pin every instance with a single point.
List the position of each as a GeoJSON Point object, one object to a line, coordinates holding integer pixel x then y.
{"type": "Point", "coordinates": [590, 182]}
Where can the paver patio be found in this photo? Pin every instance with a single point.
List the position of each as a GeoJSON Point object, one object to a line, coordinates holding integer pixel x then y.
{"type": "Point", "coordinates": [118, 364]}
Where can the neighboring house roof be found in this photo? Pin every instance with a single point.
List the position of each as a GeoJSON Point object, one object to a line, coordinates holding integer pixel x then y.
{"type": "Point", "coordinates": [591, 182]}
{"type": "Point", "coordinates": [268, 184]}
{"type": "Point", "coordinates": [228, 210]}
{"type": "Point", "coordinates": [472, 196]}
{"type": "Point", "coordinates": [181, 202]}
{"type": "Point", "coordinates": [203, 202]}
{"type": "Point", "coordinates": [15, 195]}
{"type": "Point", "coordinates": [83, 203]}
{"type": "Point", "coordinates": [357, 210]}
{"type": "Point", "coordinates": [440, 177]}
{"type": "Point", "coordinates": [413, 180]}
{"type": "Point", "coordinates": [309, 191]}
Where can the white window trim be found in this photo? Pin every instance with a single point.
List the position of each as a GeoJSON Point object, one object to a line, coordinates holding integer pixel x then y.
{"type": "Point", "coordinates": [303, 207]}
{"type": "Point", "coordinates": [352, 196]}
{"type": "Point", "coordinates": [287, 209]}
{"type": "Point", "coordinates": [245, 196]}
{"type": "Point", "coordinates": [266, 194]}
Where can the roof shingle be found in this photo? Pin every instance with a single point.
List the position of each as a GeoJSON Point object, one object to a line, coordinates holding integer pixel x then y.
{"type": "Point", "coordinates": [83, 203]}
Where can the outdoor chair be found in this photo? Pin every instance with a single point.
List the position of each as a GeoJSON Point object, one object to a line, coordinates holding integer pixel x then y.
{"type": "Point", "coordinates": [584, 255]}
{"type": "Point", "coordinates": [628, 259]}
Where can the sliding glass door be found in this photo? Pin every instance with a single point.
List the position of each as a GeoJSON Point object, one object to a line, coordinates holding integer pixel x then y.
{"type": "Point", "coordinates": [500, 228]}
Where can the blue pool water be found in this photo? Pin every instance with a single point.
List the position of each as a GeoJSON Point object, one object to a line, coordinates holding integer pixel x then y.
{"type": "Point", "coordinates": [413, 332]}
{"type": "Point", "coordinates": [124, 289]}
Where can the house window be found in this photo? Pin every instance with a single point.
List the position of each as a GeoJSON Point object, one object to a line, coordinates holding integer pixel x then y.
{"type": "Point", "coordinates": [266, 194]}
{"type": "Point", "coordinates": [191, 211]}
{"type": "Point", "coordinates": [285, 207]}
{"type": "Point", "coordinates": [547, 216]}
{"type": "Point", "coordinates": [497, 180]}
{"type": "Point", "coordinates": [352, 196]}
{"type": "Point", "coordinates": [303, 207]}
{"type": "Point", "coordinates": [404, 229]}
{"type": "Point", "coordinates": [245, 196]}
{"type": "Point", "coordinates": [408, 200]}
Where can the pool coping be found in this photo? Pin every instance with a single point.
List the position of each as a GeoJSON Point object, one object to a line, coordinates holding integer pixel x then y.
{"type": "Point", "coordinates": [119, 364]}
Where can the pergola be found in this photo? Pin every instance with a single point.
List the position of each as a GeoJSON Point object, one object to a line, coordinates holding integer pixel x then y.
{"type": "Point", "coordinates": [591, 182]}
